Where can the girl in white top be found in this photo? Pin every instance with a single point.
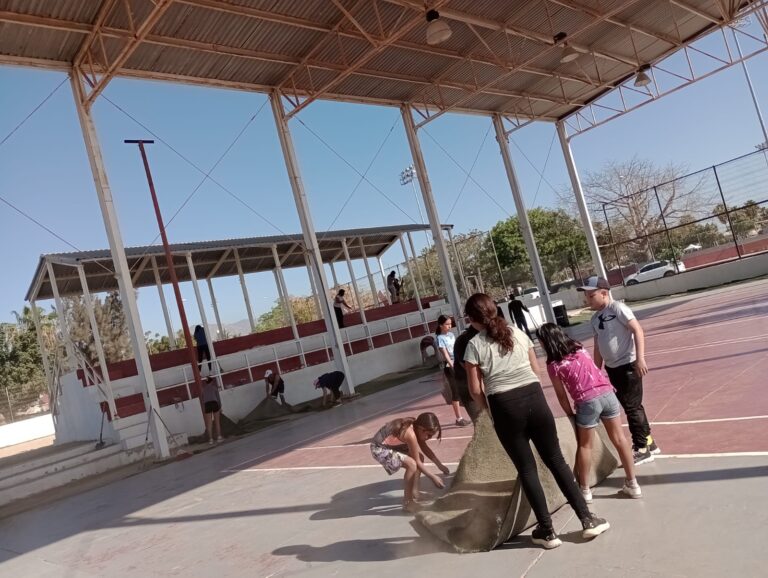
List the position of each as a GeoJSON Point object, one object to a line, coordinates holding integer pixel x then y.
{"type": "Point", "coordinates": [445, 340]}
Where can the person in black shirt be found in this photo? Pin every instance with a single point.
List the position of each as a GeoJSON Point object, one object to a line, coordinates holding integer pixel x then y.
{"type": "Point", "coordinates": [460, 374]}
{"type": "Point", "coordinates": [203, 351]}
{"type": "Point", "coordinates": [516, 309]}
{"type": "Point", "coordinates": [331, 383]}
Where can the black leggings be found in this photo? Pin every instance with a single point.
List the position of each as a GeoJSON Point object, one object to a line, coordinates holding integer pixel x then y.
{"type": "Point", "coordinates": [521, 416]}
{"type": "Point", "coordinates": [203, 352]}
{"type": "Point", "coordinates": [339, 316]}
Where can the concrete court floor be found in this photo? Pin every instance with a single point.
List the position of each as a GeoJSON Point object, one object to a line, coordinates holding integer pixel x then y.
{"type": "Point", "coordinates": [305, 499]}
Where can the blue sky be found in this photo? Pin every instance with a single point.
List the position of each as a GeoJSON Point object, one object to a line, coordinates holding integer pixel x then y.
{"type": "Point", "coordinates": [44, 170]}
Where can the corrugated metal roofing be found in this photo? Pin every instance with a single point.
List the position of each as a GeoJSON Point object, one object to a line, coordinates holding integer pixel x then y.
{"type": "Point", "coordinates": [255, 254]}
{"type": "Point", "coordinates": [262, 44]}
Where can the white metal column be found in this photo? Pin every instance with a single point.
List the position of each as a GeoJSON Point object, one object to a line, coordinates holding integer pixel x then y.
{"type": "Point", "coordinates": [416, 262]}
{"type": "Point", "coordinates": [371, 282]}
{"type": "Point", "coordinates": [522, 217]}
{"type": "Point", "coordinates": [578, 193]}
{"type": "Point", "coordinates": [459, 264]}
{"type": "Point", "coordinates": [43, 350]}
{"type": "Point", "coordinates": [333, 274]}
{"type": "Point", "coordinates": [122, 272]}
{"type": "Point", "coordinates": [358, 298]}
{"type": "Point", "coordinates": [204, 320]}
{"type": "Point", "coordinates": [164, 305]}
{"type": "Point", "coordinates": [384, 279]}
{"type": "Point", "coordinates": [61, 318]}
{"type": "Point", "coordinates": [313, 284]}
{"type": "Point", "coordinates": [97, 342]}
{"type": "Point", "coordinates": [415, 287]}
{"type": "Point", "coordinates": [245, 291]}
{"type": "Point", "coordinates": [310, 238]}
{"type": "Point", "coordinates": [432, 215]}
{"type": "Point", "coordinates": [215, 306]}
{"type": "Point", "coordinates": [283, 290]}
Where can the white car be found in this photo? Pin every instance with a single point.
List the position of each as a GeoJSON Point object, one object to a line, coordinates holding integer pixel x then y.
{"type": "Point", "coordinates": [655, 270]}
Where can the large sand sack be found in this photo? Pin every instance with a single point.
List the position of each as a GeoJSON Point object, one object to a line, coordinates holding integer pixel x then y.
{"type": "Point", "coordinates": [268, 409]}
{"type": "Point", "coordinates": [485, 505]}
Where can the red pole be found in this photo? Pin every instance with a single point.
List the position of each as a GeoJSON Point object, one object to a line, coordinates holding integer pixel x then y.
{"type": "Point", "coordinates": [171, 268]}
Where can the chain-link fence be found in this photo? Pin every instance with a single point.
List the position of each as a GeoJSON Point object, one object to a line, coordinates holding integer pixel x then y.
{"type": "Point", "coordinates": [16, 404]}
{"type": "Point", "coordinates": [706, 217]}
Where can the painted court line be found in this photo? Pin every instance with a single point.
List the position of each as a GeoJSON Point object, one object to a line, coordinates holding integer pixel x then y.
{"type": "Point", "coordinates": [735, 340]}
{"type": "Point", "coordinates": [366, 444]}
{"type": "Point", "coordinates": [373, 466]}
{"type": "Point", "coordinates": [311, 438]}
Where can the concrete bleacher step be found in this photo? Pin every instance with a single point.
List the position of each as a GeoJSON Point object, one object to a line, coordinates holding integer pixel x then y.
{"type": "Point", "coordinates": [59, 472]}
{"type": "Point", "coordinates": [48, 459]}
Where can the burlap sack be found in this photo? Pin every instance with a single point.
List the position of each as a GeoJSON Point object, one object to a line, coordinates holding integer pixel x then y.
{"type": "Point", "coordinates": [485, 505]}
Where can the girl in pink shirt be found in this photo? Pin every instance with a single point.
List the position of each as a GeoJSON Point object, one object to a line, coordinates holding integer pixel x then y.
{"type": "Point", "coordinates": [571, 368]}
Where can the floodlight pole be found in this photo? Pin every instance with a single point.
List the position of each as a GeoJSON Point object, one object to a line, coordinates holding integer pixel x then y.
{"type": "Point", "coordinates": [522, 217]}
{"type": "Point", "coordinates": [317, 271]}
{"type": "Point", "coordinates": [449, 282]}
{"type": "Point", "coordinates": [122, 272]}
{"type": "Point", "coordinates": [171, 269]}
{"type": "Point", "coordinates": [578, 192]}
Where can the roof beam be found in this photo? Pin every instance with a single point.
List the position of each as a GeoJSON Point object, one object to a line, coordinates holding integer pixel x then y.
{"type": "Point", "coordinates": [160, 6]}
{"type": "Point", "coordinates": [518, 31]}
{"type": "Point", "coordinates": [577, 7]}
{"type": "Point", "coordinates": [219, 263]}
{"type": "Point", "coordinates": [101, 17]}
{"type": "Point", "coordinates": [282, 59]}
{"type": "Point", "coordinates": [696, 11]}
{"type": "Point", "coordinates": [509, 73]}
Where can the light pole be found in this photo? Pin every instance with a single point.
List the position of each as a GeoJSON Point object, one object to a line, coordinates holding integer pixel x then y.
{"type": "Point", "coordinates": [408, 176]}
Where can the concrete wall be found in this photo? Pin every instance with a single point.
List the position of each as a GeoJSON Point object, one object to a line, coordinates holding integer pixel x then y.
{"type": "Point", "coordinates": [703, 278]}
{"type": "Point", "coordinates": [79, 416]}
{"type": "Point", "coordinates": [28, 429]}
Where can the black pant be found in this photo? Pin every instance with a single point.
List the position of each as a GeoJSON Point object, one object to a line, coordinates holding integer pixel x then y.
{"type": "Point", "coordinates": [339, 316]}
{"type": "Point", "coordinates": [204, 353]}
{"type": "Point", "coordinates": [629, 390]}
{"type": "Point", "coordinates": [521, 416]}
{"type": "Point", "coordinates": [522, 324]}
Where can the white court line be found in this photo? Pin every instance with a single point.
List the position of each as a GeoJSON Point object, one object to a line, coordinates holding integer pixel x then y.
{"type": "Point", "coordinates": [714, 420]}
{"type": "Point", "coordinates": [722, 455]}
{"type": "Point", "coordinates": [709, 326]}
{"type": "Point", "coordinates": [366, 444]}
{"type": "Point", "coordinates": [369, 466]}
{"type": "Point", "coordinates": [309, 468]}
{"type": "Point", "coordinates": [329, 432]}
{"type": "Point", "coordinates": [709, 344]}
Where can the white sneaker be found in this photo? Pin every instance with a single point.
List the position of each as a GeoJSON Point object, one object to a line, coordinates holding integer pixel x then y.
{"type": "Point", "coordinates": [632, 490]}
{"type": "Point", "coordinates": [210, 442]}
{"type": "Point", "coordinates": [587, 493]}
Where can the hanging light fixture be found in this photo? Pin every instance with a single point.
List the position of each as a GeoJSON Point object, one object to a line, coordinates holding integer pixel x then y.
{"type": "Point", "coordinates": [438, 30]}
{"type": "Point", "coordinates": [569, 53]}
{"type": "Point", "coordinates": [642, 79]}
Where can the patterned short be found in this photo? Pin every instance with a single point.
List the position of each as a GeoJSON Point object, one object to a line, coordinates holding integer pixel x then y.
{"type": "Point", "coordinates": [390, 459]}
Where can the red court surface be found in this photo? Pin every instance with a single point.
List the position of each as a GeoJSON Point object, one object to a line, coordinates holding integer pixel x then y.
{"type": "Point", "coordinates": [705, 393]}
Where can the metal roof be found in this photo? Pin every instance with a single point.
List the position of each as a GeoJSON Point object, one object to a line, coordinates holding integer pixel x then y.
{"type": "Point", "coordinates": [501, 57]}
{"type": "Point", "coordinates": [211, 259]}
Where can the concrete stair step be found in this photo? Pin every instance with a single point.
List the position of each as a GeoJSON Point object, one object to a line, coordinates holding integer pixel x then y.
{"type": "Point", "coordinates": [47, 460]}
{"type": "Point", "coordinates": [54, 469]}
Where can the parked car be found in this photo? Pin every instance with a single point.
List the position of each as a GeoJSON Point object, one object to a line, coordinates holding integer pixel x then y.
{"type": "Point", "coordinates": [532, 292]}
{"type": "Point", "coordinates": [655, 270]}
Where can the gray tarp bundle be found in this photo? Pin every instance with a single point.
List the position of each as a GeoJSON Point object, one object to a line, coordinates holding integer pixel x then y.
{"type": "Point", "coordinates": [485, 505]}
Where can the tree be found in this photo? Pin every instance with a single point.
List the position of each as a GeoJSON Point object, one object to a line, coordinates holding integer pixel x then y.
{"type": "Point", "coordinates": [743, 220]}
{"type": "Point", "coordinates": [639, 196]}
{"type": "Point", "coordinates": [111, 323]}
{"type": "Point", "coordinates": [303, 311]}
{"type": "Point", "coordinates": [559, 239]}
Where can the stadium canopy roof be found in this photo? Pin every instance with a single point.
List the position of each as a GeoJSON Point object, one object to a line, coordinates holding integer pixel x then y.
{"type": "Point", "coordinates": [211, 259]}
{"type": "Point", "coordinates": [502, 57]}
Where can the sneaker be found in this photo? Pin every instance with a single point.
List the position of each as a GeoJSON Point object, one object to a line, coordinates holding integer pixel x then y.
{"type": "Point", "coordinates": [632, 489]}
{"type": "Point", "coordinates": [219, 439]}
{"type": "Point", "coordinates": [642, 456]}
{"type": "Point", "coordinates": [210, 442]}
{"type": "Point", "coordinates": [461, 422]}
{"type": "Point", "coordinates": [587, 493]}
{"type": "Point", "coordinates": [653, 448]}
{"type": "Point", "coordinates": [545, 537]}
{"type": "Point", "coordinates": [593, 526]}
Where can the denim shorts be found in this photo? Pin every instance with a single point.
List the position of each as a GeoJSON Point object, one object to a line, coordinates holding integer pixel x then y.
{"type": "Point", "coordinates": [589, 413]}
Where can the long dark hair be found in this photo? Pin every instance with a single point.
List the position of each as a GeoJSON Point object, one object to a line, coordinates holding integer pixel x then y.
{"type": "Point", "coordinates": [480, 308]}
{"type": "Point", "coordinates": [440, 320]}
{"type": "Point", "coordinates": [426, 420]}
{"type": "Point", "coordinates": [556, 343]}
